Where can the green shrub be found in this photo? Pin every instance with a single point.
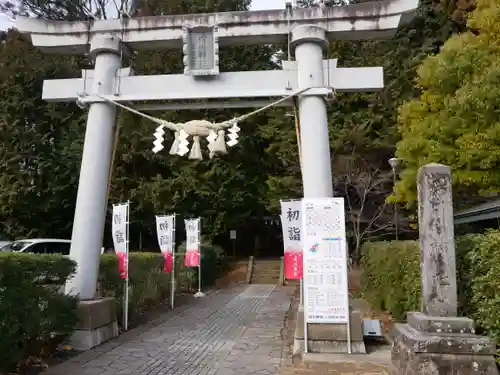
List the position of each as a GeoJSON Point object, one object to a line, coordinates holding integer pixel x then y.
{"type": "Point", "coordinates": [149, 285]}
{"type": "Point", "coordinates": [34, 316]}
{"type": "Point", "coordinates": [464, 250]}
{"type": "Point", "coordinates": [213, 266]}
{"type": "Point", "coordinates": [391, 276]}
{"type": "Point", "coordinates": [483, 269]}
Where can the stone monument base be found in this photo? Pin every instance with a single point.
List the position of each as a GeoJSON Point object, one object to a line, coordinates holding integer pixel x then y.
{"type": "Point", "coordinates": [330, 338]}
{"type": "Point", "coordinates": [97, 323]}
{"type": "Point", "coordinates": [429, 345]}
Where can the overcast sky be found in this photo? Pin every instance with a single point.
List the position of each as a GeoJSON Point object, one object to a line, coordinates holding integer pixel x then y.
{"type": "Point", "coordinates": [256, 5]}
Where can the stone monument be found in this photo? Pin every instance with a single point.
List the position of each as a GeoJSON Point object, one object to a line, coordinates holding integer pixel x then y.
{"type": "Point", "coordinates": [436, 341]}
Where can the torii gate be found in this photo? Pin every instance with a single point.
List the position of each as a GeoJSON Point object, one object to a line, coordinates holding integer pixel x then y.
{"type": "Point", "coordinates": [309, 29]}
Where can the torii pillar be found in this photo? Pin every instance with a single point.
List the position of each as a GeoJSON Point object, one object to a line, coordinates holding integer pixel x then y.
{"type": "Point", "coordinates": [310, 42]}
{"type": "Point", "coordinates": [91, 201]}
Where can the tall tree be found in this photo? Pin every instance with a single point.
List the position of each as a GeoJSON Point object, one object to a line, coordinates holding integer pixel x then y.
{"type": "Point", "coordinates": [68, 10]}
{"type": "Point", "coordinates": [39, 144]}
{"type": "Point", "coordinates": [455, 120]}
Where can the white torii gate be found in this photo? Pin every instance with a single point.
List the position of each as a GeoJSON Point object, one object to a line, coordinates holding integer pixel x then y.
{"type": "Point", "coordinates": [309, 30]}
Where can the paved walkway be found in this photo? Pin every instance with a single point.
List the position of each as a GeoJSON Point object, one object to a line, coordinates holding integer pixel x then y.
{"type": "Point", "coordinates": [229, 332]}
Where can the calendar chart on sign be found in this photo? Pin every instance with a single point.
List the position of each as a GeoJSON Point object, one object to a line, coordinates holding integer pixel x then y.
{"type": "Point", "coordinates": [325, 261]}
{"type": "Point", "coordinates": [323, 222]}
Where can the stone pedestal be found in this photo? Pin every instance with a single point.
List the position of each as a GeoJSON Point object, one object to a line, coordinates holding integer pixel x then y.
{"type": "Point", "coordinates": [97, 323]}
{"type": "Point", "coordinates": [330, 338]}
{"type": "Point", "coordinates": [441, 346]}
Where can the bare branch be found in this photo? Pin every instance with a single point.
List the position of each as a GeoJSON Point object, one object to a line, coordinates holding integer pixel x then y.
{"type": "Point", "coordinates": [365, 188]}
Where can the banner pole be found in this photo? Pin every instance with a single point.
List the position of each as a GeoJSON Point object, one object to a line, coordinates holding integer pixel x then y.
{"type": "Point", "coordinates": [199, 276]}
{"type": "Point", "coordinates": [126, 292]}
{"type": "Point", "coordinates": [199, 249]}
{"type": "Point", "coordinates": [172, 277]}
{"type": "Point", "coordinates": [199, 293]}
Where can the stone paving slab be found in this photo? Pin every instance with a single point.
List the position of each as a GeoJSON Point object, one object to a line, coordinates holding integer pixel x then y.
{"type": "Point", "coordinates": [235, 331]}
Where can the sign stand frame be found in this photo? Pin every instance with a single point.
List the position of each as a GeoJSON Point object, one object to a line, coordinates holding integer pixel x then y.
{"type": "Point", "coordinates": [348, 307]}
{"type": "Point", "coordinates": [305, 330]}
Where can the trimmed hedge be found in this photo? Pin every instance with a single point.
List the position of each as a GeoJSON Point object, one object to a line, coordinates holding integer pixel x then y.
{"type": "Point", "coordinates": [213, 265]}
{"type": "Point", "coordinates": [391, 278]}
{"type": "Point", "coordinates": [34, 316]}
{"type": "Point", "coordinates": [148, 284]}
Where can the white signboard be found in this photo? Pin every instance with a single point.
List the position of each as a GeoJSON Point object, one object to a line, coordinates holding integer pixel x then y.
{"type": "Point", "coordinates": [165, 232]}
{"type": "Point", "coordinates": [119, 227]}
{"type": "Point", "coordinates": [326, 298]}
{"type": "Point", "coordinates": [232, 234]}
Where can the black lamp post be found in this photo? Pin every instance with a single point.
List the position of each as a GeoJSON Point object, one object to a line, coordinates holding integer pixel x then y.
{"type": "Point", "coordinates": [394, 163]}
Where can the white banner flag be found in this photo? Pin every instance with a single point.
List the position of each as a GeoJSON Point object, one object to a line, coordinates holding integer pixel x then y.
{"type": "Point", "coordinates": [291, 224]}
{"type": "Point", "coordinates": [290, 220]}
{"type": "Point", "coordinates": [192, 257]}
{"type": "Point", "coordinates": [165, 232]}
{"type": "Point", "coordinates": [119, 228]}
{"type": "Point", "coordinates": [192, 234]}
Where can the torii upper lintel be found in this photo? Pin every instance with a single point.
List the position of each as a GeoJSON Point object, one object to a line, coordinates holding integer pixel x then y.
{"type": "Point", "coordinates": [369, 20]}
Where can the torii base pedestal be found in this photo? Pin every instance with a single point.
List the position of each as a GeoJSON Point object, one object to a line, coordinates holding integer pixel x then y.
{"type": "Point", "coordinates": [97, 323]}
{"type": "Point", "coordinates": [441, 346]}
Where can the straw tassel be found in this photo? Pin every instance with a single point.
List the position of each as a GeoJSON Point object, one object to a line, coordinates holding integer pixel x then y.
{"type": "Point", "coordinates": [175, 145]}
{"type": "Point", "coordinates": [196, 149]}
{"type": "Point", "coordinates": [220, 143]}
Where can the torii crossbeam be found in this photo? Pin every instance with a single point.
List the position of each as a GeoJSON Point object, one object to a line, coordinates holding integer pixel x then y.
{"type": "Point", "coordinates": [369, 20]}
{"type": "Point", "coordinates": [309, 30]}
